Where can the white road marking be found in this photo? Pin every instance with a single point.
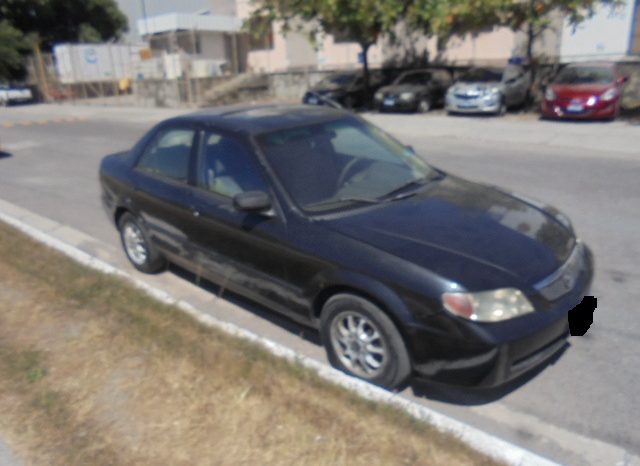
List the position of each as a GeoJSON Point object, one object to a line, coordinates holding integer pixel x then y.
{"type": "Point", "coordinates": [22, 145]}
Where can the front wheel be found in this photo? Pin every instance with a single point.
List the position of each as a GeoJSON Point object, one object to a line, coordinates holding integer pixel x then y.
{"type": "Point", "coordinates": [424, 105]}
{"type": "Point", "coordinates": [137, 246]}
{"type": "Point", "coordinates": [361, 340]}
{"type": "Point", "coordinates": [502, 110]}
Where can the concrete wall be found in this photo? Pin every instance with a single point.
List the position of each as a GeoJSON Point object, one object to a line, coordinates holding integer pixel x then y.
{"type": "Point", "coordinates": [173, 93]}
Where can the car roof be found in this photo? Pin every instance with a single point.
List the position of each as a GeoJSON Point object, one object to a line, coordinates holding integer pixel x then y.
{"type": "Point", "coordinates": [255, 119]}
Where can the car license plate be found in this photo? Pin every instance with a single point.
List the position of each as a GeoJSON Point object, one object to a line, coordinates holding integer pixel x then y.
{"type": "Point", "coordinates": [313, 100]}
{"type": "Point", "coordinates": [389, 102]}
{"type": "Point", "coordinates": [466, 105]}
{"type": "Point", "coordinates": [575, 108]}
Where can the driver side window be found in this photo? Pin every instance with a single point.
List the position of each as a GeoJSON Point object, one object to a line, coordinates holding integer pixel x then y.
{"type": "Point", "coordinates": [227, 168]}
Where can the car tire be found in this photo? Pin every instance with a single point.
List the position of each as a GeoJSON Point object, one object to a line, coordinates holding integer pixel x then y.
{"type": "Point", "coordinates": [424, 106]}
{"type": "Point", "coordinates": [502, 111]}
{"type": "Point", "coordinates": [139, 250]}
{"type": "Point", "coordinates": [362, 341]}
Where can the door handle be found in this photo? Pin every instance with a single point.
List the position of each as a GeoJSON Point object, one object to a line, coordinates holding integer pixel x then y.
{"type": "Point", "coordinates": [195, 212]}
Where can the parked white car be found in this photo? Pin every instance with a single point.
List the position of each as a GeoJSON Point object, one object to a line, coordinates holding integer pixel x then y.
{"type": "Point", "coordinates": [489, 90]}
{"type": "Point", "coordinates": [12, 94]}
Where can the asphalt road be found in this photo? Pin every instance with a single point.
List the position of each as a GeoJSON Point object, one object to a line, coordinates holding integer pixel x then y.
{"type": "Point", "coordinates": [581, 409]}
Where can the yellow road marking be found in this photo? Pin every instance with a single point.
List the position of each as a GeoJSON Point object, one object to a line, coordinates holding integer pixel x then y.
{"type": "Point", "coordinates": [11, 124]}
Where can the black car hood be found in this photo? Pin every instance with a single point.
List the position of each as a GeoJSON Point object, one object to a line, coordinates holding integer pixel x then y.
{"type": "Point", "coordinates": [455, 224]}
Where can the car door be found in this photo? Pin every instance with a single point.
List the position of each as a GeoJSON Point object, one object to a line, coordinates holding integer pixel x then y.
{"type": "Point", "coordinates": [161, 194]}
{"type": "Point", "coordinates": [246, 252]}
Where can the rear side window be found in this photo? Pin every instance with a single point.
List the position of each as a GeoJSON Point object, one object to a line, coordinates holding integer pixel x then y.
{"type": "Point", "coordinates": [168, 154]}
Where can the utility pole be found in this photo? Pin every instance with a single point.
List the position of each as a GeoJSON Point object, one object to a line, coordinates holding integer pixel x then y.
{"type": "Point", "coordinates": [144, 15]}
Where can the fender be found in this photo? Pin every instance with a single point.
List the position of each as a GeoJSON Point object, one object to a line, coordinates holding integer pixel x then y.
{"type": "Point", "coordinates": [334, 281]}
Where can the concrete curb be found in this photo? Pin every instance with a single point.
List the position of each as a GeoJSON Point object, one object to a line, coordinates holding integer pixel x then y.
{"type": "Point", "coordinates": [485, 443]}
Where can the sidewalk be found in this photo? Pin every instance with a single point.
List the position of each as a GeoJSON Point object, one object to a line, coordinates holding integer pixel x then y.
{"type": "Point", "coordinates": [6, 457]}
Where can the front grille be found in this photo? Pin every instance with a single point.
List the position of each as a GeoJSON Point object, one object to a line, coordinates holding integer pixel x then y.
{"type": "Point", "coordinates": [466, 97]}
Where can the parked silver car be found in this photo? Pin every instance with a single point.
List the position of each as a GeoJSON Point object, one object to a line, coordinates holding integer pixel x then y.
{"type": "Point", "coordinates": [489, 90]}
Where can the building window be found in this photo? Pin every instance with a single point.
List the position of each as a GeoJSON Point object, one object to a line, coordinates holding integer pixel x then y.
{"type": "Point", "coordinates": [261, 34]}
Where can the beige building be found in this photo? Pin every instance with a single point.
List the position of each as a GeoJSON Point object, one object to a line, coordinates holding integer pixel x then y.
{"type": "Point", "coordinates": [217, 35]}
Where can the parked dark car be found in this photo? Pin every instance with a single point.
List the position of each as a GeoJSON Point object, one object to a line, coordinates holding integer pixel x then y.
{"type": "Point", "coordinates": [319, 215]}
{"type": "Point", "coordinates": [586, 91]}
{"type": "Point", "coordinates": [489, 90]}
{"type": "Point", "coordinates": [416, 90]}
{"type": "Point", "coordinates": [346, 88]}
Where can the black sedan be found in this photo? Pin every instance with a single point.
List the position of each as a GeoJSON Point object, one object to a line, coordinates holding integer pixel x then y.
{"type": "Point", "coordinates": [321, 216]}
{"type": "Point", "coordinates": [347, 89]}
{"type": "Point", "coordinates": [417, 90]}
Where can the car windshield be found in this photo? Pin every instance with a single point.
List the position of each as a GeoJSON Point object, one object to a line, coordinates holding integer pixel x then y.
{"type": "Point", "coordinates": [585, 75]}
{"type": "Point", "coordinates": [341, 164]}
{"type": "Point", "coordinates": [414, 78]}
{"type": "Point", "coordinates": [482, 75]}
{"type": "Point", "coordinates": [339, 79]}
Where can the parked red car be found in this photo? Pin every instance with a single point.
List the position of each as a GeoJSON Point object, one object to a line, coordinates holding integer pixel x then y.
{"type": "Point", "coordinates": [585, 91]}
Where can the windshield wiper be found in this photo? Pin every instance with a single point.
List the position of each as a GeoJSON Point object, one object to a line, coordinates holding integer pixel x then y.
{"type": "Point", "coordinates": [361, 200]}
{"type": "Point", "coordinates": [398, 193]}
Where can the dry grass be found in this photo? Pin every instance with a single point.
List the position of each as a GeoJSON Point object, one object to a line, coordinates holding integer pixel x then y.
{"type": "Point", "coordinates": [93, 372]}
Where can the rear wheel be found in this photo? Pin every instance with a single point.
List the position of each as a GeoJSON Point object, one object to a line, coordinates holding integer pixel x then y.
{"type": "Point", "coordinates": [137, 246]}
{"type": "Point", "coordinates": [361, 340]}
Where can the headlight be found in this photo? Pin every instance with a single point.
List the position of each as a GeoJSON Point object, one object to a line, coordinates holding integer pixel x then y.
{"type": "Point", "coordinates": [407, 96]}
{"type": "Point", "coordinates": [492, 91]}
{"type": "Point", "coordinates": [549, 94]}
{"type": "Point", "coordinates": [378, 96]}
{"type": "Point", "coordinates": [610, 94]}
{"type": "Point", "coordinates": [488, 306]}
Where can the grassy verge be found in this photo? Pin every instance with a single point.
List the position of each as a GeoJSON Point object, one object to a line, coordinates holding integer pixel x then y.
{"type": "Point", "coordinates": [92, 371]}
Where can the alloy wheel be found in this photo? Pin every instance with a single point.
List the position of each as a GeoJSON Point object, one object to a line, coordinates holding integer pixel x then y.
{"type": "Point", "coordinates": [359, 344]}
{"type": "Point", "coordinates": [135, 244]}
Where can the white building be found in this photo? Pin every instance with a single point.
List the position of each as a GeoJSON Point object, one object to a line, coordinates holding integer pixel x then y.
{"type": "Point", "coordinates": [611, 34]}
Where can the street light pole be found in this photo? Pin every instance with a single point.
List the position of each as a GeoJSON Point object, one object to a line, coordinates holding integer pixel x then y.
{"type": "Point", "coordinates": [144, 15]}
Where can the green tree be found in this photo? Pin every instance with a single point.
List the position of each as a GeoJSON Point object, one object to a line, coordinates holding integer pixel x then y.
{"type": "Point", "coordinates": [13, 46]}
{"type": "Point", "coordinates": [48, 22]}
{"type": "Point", "coordinates": [362, 21]}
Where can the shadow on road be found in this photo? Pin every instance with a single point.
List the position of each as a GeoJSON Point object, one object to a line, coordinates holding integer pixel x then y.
{"type": "Point", "coordinates": [430, 390]}
{"type": "Point", "coordinates": [4, 155]}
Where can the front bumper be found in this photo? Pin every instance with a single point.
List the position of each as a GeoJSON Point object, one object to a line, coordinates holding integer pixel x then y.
{"type": "Point", "coordinates": [561, 109]}
{"type": "Point", "coordinates": [479, 104]}
{"type": "Point", "coordinates": [394, 104]}
{"type": "Point", "coordinates": [492, 354]}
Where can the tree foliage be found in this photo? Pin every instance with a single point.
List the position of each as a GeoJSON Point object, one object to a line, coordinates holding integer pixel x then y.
{"type": "Point", "coordinates": [362, 21]}
{"type": "Point", "coordinates": [12, 48]}
{"type": "Point", "coordinates": [52, 21]}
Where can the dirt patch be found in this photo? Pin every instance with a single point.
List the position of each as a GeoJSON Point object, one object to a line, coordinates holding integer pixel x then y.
{"type": "Point", "coordinates": [94, 372]}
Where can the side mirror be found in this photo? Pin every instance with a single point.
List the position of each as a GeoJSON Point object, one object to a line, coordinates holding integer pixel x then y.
{"type": "Point", "coordinates": [410, 148]}
{"type": "Point", "coordinates": [252, 201]}
{"type": "Point", "coordinates": [622, 80]}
